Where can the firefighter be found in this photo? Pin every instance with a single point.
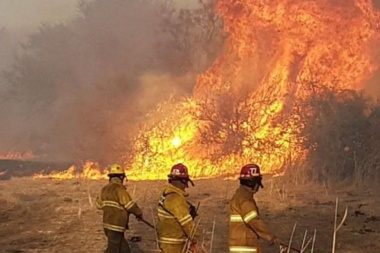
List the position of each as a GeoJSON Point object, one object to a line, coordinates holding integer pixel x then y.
{"type": "Point", "coordinates": [117, 205]}
{"type": "Point", "coordinates": [246, 226]}
{"type": "Point", "coordinates": [176, 227]}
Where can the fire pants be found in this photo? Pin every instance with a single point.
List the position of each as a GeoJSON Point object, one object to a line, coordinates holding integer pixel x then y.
{"type": "Point", "coordinates": [116, 242]}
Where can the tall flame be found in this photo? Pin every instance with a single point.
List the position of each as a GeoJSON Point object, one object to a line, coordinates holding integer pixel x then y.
{"type": "Point", "coordinates": [243, 108]}
{"type": "Point", "coordinates": [284, 44]}
{"type": "Point", "coordinates": [275, 50]}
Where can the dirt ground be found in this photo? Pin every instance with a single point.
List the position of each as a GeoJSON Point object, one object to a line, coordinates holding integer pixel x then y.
{"type": "Point", "coordinates": [42, 215]}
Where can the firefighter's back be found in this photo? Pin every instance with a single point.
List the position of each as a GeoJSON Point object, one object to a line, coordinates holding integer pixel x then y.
{"type": "Point", "coordinates": [114, 215]}
{"type": "Point", "coordinates": [168, 227]}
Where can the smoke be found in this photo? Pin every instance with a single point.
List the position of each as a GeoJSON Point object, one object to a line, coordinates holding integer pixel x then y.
{"type": "Point", "coordinates": [373, 85]}
{"type": "Point", "coordinates": [376, 3]}
{"type": "Point", "coordinates": [26, 16]}
{"type": "Point", "coordinates": [79, 89]}
{"type": "Point", "coordinates": [162, 87]}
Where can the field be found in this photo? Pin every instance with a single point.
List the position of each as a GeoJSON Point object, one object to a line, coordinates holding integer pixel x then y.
{"type": "Point", "coordinates": [42, 215]}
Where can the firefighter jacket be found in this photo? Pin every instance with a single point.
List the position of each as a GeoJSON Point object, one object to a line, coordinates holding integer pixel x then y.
{"type": "Point", "coordinates": [175, 224]}
{"type": "Point", "coordinates": [117, 205]}
{"type": "Point", "coordinates": [246, 227]}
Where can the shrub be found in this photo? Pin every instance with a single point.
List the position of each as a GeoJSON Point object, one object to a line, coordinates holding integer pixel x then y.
{"type": "Point", "coordinates": [341, 133]}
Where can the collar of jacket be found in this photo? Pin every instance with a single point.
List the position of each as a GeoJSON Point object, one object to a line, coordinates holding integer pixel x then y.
{"type": "Point", "coordinates": [172, 188]}
{"type": "Point", "coordinates": [116, 180]}
{"type": "Point", "coordinates": [246, 190]}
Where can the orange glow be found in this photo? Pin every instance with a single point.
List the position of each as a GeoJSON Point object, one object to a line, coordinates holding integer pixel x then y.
{"type": "Point", "coordinates": [243, 108]}
{"type": "Point", "coordinates": [275, 52]}
{"type": "Point", "coordinates": [90, 171]}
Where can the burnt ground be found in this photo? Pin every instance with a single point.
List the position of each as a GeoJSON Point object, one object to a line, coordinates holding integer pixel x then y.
{"type": "Point", "coordinates": [41, 215]}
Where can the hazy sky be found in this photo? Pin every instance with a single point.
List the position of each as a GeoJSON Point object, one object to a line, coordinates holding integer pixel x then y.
{"type": "Point", "coordinates": [15, 14]}
{"type": "Point", "coordinates": [21, 14]}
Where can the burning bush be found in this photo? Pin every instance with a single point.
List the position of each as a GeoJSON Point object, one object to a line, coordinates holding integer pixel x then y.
{"type": "Point", "coordinates": [256, 102]}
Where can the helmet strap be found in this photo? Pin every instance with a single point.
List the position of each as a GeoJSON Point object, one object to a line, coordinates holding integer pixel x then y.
{"type": "Point", "coordinates": [260, 183]}
{"type": "Point", "coordinates": [191, 182]}
{"type": "Point", "coordinates": [185, 182]}
{"type": "Point", "coordinates": [119, 176]}
{"type": "Point", "coordinates": [182, 180]}
{"type": "Point", "coordinates": [251, 183]}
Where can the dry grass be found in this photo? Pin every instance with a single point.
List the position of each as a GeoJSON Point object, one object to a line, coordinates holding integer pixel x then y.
{"type": "Point", "coordinates": [49, 216]}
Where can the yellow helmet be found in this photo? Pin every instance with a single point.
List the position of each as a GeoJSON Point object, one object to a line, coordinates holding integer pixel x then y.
{"type": "Point", "coordinates": [116, 169]}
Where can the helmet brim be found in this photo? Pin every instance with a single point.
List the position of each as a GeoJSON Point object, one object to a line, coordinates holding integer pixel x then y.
{"type": "Point", "coordinates": [116, 174]}
{"type": "Point", "coordinates": [177, 177]}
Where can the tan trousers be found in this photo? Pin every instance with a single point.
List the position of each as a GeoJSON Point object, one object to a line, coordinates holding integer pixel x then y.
{"type": "Point", "coordinates": [171, 248]}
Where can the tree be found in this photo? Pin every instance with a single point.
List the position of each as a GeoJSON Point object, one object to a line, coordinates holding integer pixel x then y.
{"type": "Point", "coordinates": [194, 37]}
{"type": "Point", "coordinates": [78, 90]}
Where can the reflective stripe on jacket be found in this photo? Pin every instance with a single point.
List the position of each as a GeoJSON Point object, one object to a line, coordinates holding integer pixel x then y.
{"type": "Point", "coordinates": [116, 204]}
{"type": "Point", "coordinates": [245, 225]}
{"type": "Point", "coordinates": [175, 224]}
{"type": "Point", "coordinates": [241, 249]}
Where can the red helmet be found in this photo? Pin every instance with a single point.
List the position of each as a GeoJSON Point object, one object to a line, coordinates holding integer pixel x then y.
{"type": "Point", "coordinates": [180, 172]}
{"type": "Point", "coordinates": [250, 171]}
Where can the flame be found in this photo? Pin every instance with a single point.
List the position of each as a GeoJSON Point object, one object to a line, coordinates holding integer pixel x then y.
{"type": "Point", "coordinates": [275, 51]}
{"type": "Point", "coordinates": [90, 171]}
{"type": "Point", "coordinates": [243, 108]}
{"type": "Point", "coordinates": [176, 142]}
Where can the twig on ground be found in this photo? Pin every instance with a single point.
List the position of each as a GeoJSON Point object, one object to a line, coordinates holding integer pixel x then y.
{"type": "Point", "coordinates": [212, 235]}
{"type": "Point", "coordinates": [271, 186]}
{"type": "Point", "coordinates": [146, 190]}
{"type": "Point", "coordinates": [314, 237]}
{"type": "Point", "coordinates": [89, 196]}
{"type": "Point", "coordinates": [326, 191]}
{"type": "Point", "coordinates": [134, 191]}
{"type": "Point", "coordinates": [336, 228]}
{"type": "Point", "coordinates": [226, 193]}
{"type": "Point", "coordinates": [79, 213]}
{"type": "Point", "coordinates": [304, 239]}
{"type": "Point", "coordinates": [303, 249]}
{"type": "Point", "coordinates": [154, 224]}
{"type": "Point", "coordinates": [291, 237]}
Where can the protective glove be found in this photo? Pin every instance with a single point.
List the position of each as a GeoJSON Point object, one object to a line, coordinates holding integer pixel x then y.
{"type": "Point", "coordinates": [98, 203]}
{"type": "Point", "coordinates": [139, 217]}
{"type": "Point", "coordinates": [193, 211]}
